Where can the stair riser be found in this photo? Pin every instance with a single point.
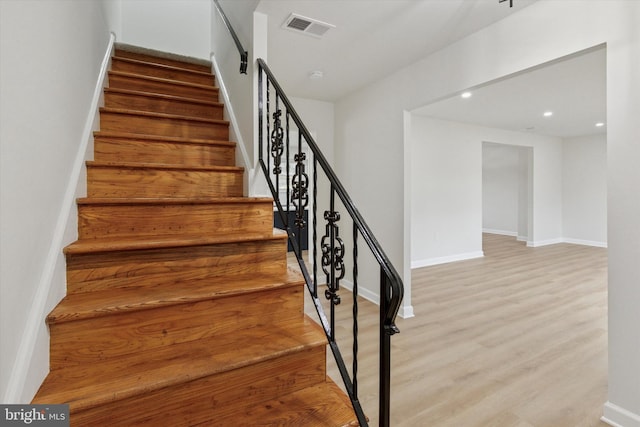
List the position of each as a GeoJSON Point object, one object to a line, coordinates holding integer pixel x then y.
{"type": "Point", "coordinates": [99, 221]}
{"type": "Point", "coordinates": [146, 151]}
{"type": "Point", "coordinates": [154, 70]}
{"type": "Point", "coordinates": [162, 126]}
{"type": "Point", "coordinates": [118, 81]}
{"type": "Point", "coordinates": [144, 268]}
{"type": "Point", "coordinates": [96, 339]}
{"type": "Point", "coordinates": [162, 105]}
{"type": "Point", "coordinates": [205, 400]}
{"type": "Point", "coordinates": [133, 182]}
{"type": "Point", "coordinates": [119, 53]}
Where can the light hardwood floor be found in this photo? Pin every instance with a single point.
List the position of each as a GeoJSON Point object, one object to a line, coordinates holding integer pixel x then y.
{"type": "Point", "coordinates": [515, 339]}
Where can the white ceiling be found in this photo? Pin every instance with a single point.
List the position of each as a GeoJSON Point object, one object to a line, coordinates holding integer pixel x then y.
{"type": "Point", "coordinates": [573, 88]}
{"type": "Point", "coordinates": [374, 38]}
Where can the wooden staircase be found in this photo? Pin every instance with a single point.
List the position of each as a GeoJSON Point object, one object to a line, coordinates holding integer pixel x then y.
{"type": "Point", "coordinates": [180, 307]}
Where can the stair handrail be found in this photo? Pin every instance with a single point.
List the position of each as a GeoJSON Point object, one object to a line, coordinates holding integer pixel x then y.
{"type": "Point", "coordinates": [244, 55]}
{"type": "Point", "coordinates": [391, 286]}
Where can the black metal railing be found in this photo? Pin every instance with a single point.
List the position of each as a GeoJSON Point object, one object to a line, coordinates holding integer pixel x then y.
{"type": "Point", "coordinates": [302, 184]}
{"type": "Point", "coordinates": [243, 53]}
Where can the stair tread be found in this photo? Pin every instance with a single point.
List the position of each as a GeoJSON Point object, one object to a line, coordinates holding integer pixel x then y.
{"type": "Point", "coordinates": [162, 115]}
{"type": "Point", "coordinates": [163, 66]}
{"type": "Point", "coordinates": [139, 136]}
{"type": "Point", "coordinates": [139, 165]}
{"type": "Point", "coordinates": [153, 56]}
{"type": "Point", "coordinates": [321, 405]}
{"type": "Point", "coordinates": [107, 302]}
{"type": "Point", "coordinates": [170, 200]}
{"type": "Point", "coordinates": [162, 96]}
{"type": "Point", "coordinates": [115, 379]}
{"type": "Point", "coordinates": [157, 242]}
{"type": "Point", "coordinates": [210, 88]}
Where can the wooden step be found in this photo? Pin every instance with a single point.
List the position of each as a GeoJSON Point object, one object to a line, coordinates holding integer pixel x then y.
{"type": "Point", "coordinates": [96, 265]}
{"type": "Point", "coordinates": [115, 218]}
{"type": "Point", "coordinates": [121, 80]}
{"type": "Point", "coordinates": [145, 123]}
{"type": "Point", "coordinates": [159, 103]}
{"type": "Point", "coordinates": [321, 405]}
{"type": "Point", "coordinates": [130, 147]}
{"type": "Point", "coordinates": [96, 326]}
{"type": "Point", "coordinates": [189, 383]}
{"type": "Point", "coordinates": [119, 180]}
{"type": "Point", "coordinates": [170, 72]}
{"type": "Point", "coordinates": [155, 57]}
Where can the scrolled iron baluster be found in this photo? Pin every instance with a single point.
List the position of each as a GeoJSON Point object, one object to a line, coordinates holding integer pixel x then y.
{"type": "Point", "coordinates": [299, 189]}
{"type": "Point", "coordinates": [277, 144]}
{"type": "Point", "coordinates": [332, 248]}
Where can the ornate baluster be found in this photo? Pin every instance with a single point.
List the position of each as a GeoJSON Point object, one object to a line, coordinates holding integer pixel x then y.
{"type": "Point", "coordinates": [288, 157]}
{"type": "Point", "coordinates": [277, 145]}
{"type": "Point", "coordinates": [332, 248]}
{"type": "Point", "coordinates": [299, 191]}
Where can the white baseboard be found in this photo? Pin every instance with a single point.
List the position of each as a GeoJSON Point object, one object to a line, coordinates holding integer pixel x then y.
{"type": "Point", "coordinates": [242, 157]}
{"type": "Point", "coordinates": [365, 293]}
{"type": "Point", "coordinates": [616, 416]}
{"type": "Point", "coordinates": [406, 311]}
{"type": "Point", "coordinates": [500, 232]}
{"type": "Point", "coordinates": [29, 366]}
{"type": "Point", "coordinates": [446, 259]}
{"type": "Point", "coordinates": [538, 243]}
{"type": "Point", "coordinates": [534, 244]}
{"type": "Point", "coordinates": [585, 242]}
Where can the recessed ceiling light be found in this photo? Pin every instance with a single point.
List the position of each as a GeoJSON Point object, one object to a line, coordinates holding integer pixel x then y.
{"type": "Point", "coordinates": [466, 95]}
{"type": "Point", "coordinates": [599, 124]}
{"type": "Point", "coordinates": [548, 113]}
{"type": "Point", "coordinates": [316, 75]}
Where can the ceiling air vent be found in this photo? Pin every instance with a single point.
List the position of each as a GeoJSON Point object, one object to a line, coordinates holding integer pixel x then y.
{"type": "Point", "coordinates": [304, 25]}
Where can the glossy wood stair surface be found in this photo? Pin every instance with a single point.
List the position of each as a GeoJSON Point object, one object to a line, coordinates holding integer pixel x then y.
{"type": "Point", "coordinates": [181, 309]}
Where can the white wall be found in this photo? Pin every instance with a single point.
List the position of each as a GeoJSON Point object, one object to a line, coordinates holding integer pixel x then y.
{"type": "Point", "coordinates": [50, 55]}
{"type": "Point", "coordinates": [447, 188]}
{"type": "Point", "coordinates": [177, 26]}
{"type": "Point", "coordinates": [623, 233]}
{"type": "Point", "coordinates": [370, 124]}
{"type": "Point", "coordinates": [584, 190]}
{"type": "Point", "coordinates": [112, 10]}
{"type": "Point", "coordinates": [501, 174]}
{"type": "Point", "coordinates": [446, 213]}
{"type": "Point", "coordinates": [318, 116]}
